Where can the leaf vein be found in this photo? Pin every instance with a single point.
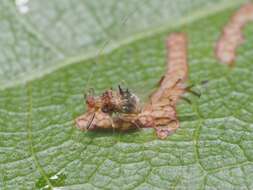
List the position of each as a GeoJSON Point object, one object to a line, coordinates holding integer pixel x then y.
{"type": "Point", "coordinates": [29, 132]}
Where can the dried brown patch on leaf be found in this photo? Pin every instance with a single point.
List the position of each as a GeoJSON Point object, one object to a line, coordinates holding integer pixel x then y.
{"type": "Point", "coordinates": [163, 101]}
{"type": "Point", "coordinates": [162, 118]}
{"type": "Point", "coordinates": [172, 83]}
{"type": "Point", "coordinates": [232, 36]}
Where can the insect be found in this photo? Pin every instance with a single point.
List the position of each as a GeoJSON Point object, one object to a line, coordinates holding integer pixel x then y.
{"type": "Point", "coordinates": [112, 102]}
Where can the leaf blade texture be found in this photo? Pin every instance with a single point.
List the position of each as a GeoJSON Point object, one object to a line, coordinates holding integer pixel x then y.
{"type": "Point", "coordinates": [46, 57]}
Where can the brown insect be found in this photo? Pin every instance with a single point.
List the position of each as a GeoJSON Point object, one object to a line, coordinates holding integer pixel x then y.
{"type": "Point", "coordinates": [121, 109]}
{"type": "Point", "coordinates": [111, 102]}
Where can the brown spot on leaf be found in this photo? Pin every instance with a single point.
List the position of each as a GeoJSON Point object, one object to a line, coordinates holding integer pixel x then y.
{"type": "Point", "coordinates": [232, 36]}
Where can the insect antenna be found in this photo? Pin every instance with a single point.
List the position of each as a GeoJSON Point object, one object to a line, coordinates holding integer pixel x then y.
{"type": "Point", "coordinates": [91, 120]}
{"type": "Point", "coordinates": [106, 43]}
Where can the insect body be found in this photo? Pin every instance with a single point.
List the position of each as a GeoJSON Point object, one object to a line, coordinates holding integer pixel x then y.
{"type": "Point", "coordinates": [129, 102]}
{"type": "Point", "coordinates": [112, 102]}
{"type": "Point", "coordinates": [121, 101]}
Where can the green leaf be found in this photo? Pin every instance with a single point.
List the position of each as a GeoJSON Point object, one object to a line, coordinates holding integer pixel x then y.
{"type": "Point", "coordinates": [47, 60]}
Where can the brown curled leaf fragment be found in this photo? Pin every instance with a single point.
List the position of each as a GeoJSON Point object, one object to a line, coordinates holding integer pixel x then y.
{"type": "Point", "coordinates": [120, 110]}
{"type": "Point", "coordinates": [232, 36]}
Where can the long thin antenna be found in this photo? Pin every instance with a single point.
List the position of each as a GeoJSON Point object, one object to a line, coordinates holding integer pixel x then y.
{"type": "Point", "coordinates": [100, 51]}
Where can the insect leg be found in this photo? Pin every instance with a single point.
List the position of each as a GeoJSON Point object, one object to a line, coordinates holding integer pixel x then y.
{"type": "Point", "coordinates": [186, 99]}
{"type": "Point", "coordinates": [136, 124]}
{"type": "Point", "coordinates": [189, 89]}
{"type": "Point", "coordinates": [121, 90]}
{"type": "Point", "coordinates": [91, 120]}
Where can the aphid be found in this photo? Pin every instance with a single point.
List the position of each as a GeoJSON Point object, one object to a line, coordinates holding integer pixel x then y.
{"type": "Point", "coordinates": [232, 36]}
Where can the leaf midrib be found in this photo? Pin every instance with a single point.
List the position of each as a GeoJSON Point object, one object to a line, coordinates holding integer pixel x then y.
{"type": "Point", "coordinates": [95, 52]}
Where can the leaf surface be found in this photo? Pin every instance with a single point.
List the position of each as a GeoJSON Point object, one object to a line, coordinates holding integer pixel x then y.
{"type": "Point", "coordinates": [46, 58]}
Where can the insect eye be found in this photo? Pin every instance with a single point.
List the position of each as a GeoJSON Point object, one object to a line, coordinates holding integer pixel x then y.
{"type": "Point", "coordinates": [105, 109]}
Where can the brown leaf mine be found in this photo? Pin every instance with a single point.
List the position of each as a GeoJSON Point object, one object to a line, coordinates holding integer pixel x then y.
{"type": "Point", "coordinates": [163, 101]}
{"type": "Point", "coordinates": [232, 36]}
{"type": "Point", "coordinates": [172, 84]}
